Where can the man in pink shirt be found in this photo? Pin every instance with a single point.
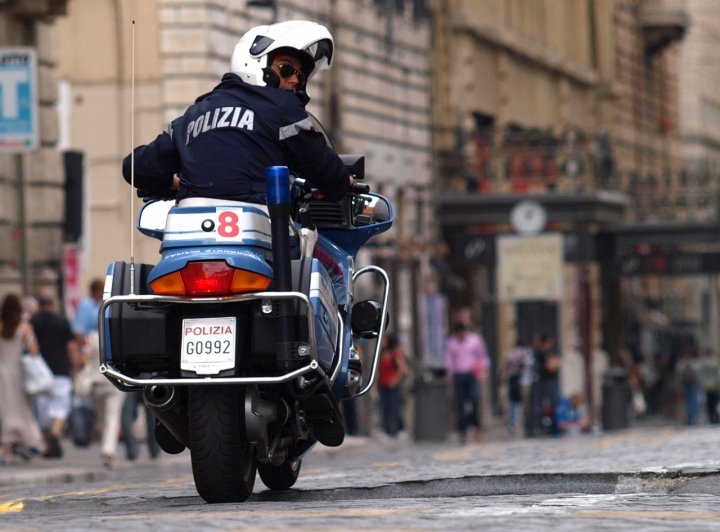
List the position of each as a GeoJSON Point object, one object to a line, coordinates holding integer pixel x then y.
{"type": "Point", "coordinates": [467, 361]}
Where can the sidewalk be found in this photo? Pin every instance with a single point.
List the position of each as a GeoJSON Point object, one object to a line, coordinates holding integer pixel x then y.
{"type": "Point", "coordinates": [76, 465]}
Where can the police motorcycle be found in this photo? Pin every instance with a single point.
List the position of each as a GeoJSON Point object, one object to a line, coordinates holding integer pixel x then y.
{"type": "Point", "coordinates": [241, 337]}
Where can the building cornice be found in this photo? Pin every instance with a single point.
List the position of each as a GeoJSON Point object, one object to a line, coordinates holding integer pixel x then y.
{"type": "Point", "coordinates": [524, 48]}
{"type": "Point", "coordinates": [34, 9]}
{"type": "Point", "coordinates": [600, 206]}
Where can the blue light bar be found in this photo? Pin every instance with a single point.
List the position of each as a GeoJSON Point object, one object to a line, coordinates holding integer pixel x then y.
{"type": "Point", "coordinates": [277, 180]}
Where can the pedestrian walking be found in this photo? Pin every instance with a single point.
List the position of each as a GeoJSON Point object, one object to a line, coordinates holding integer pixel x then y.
{"type": "Point", "coordinates": [467, 362]}
{"type": "Point", "coordinates": [59, 348]}
{"type": "Point", "coordinates": [107, 401]}
{"type": "Point", "coordinates": [519, 362]}
{"type": "Point", "coordinates": [86, 316]}
{"type": "Point", "coordinates": [20, 433]}
{"type": "Point", "coordinates": [711, 385]}
{"type": "Point", "coordinates": [128, 416]}
{"type": "Point", "coordinates": [86, 321]}
{"type": "Point", "coordinates": [391, 370]}
{"type": "Point", "coordinates": [545, 390]}
{"type": "Point", "coordinates": [688, 382]}
{"type": "Point", "coordinates": [30, 307]}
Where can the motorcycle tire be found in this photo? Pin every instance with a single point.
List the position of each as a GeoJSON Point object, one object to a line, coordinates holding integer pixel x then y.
{"type": "Point", "coordinates": [223, 463]}
{"type": "Point", "coordinates": [280, 477]}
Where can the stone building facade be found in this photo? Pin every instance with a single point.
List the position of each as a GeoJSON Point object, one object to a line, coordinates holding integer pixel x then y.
{"type": "Point", "coordinates": [534, 96]}
{"type": "Point", "coordinates": [375, 101]}
{"type": "Point", "coordinates": [32, 184]}
{"type": "Point", "coordinates": [685, 308]}
{"type": "Point", "coordinates": [570, 103]}
{"type": "Point", "coordinates": [699, 116]}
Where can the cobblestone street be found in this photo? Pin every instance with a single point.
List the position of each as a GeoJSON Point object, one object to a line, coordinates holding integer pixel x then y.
{"type": "Point", "coordinates": [648, 478]}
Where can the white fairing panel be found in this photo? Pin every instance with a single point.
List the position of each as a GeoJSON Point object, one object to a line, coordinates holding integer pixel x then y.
{"type": "Point", "coordinates": [216, 221]}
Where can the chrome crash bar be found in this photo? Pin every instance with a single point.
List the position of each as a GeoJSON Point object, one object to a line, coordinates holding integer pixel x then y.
{"type": "Point", "coordinates": [110, 372]}
{"type": "Point", "coordinates": [383, 320]}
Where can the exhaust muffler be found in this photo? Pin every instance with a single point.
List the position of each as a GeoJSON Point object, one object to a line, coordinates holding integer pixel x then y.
{"type": "Point", "coordinates": [164, 402]}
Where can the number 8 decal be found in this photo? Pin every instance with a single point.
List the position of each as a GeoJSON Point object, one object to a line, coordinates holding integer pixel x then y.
{"type": "Point", "coordinates": [228, 227]}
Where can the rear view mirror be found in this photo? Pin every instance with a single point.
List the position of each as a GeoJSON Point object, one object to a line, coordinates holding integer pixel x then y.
{"type": "Point", "coordinates": [370, 209]}
{"type": "Point", "coordinates": [152, 217]}
{"type": "Point", "coordinates": [355, 165]}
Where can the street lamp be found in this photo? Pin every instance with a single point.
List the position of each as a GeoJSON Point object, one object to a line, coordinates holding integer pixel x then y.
{"type": "Point", "coordinates": [264, 4]}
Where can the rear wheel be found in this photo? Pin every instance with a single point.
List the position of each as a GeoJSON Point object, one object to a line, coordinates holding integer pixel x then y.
{"type": "Point", "coordinates": [223, 463]}
{"type": "Point", "coordinates": [280, 477]}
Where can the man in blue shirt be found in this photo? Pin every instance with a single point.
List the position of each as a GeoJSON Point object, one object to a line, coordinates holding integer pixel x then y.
{"type": "Point", "coordinates": [86, 317]}
{"type": "Point", "coordinates": [569, 415]}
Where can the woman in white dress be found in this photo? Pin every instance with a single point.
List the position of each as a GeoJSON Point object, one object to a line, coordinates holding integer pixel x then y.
{"type": "Point", "coordinates": [19, 427]}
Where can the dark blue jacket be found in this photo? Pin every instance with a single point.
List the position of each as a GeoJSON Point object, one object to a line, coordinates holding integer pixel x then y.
{"type": "Point", "coordinates": [223, 143]}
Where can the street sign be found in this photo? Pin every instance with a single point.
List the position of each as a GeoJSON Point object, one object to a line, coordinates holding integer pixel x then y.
{"type": "Point", "coordinates": [530, 268]}
{"type": "Point", "coordinates": [578, 246]}
{"type": "Point", "coordinates": [479, 249]}
{"type": "Point", "coordinates": [669, 264]}
{"type": "Point", "coordinates": [71, 278]}
{"type": "Point", "coordinates": [18, 100]}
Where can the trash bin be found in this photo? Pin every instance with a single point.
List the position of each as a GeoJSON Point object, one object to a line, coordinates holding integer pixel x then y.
{"type": "Point", "coordinates": [617, 396]}
{"type": "Point", "coordinates": [431, 405]}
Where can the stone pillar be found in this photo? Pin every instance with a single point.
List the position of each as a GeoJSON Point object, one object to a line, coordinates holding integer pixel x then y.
{"type": "Point", "coordinates": [44, 175]}
{"type": "Point", "coordinates": [32, 194]}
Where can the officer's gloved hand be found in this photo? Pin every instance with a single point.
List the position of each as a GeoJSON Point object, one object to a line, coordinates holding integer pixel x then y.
{"type": "Point", "coordinates": [157, 195]}
{"type": "Point", "coordinates": [160, 194]}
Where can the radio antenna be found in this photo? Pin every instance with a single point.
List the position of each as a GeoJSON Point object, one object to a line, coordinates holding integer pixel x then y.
{"type": "Point", "coordinates": [132, 165]}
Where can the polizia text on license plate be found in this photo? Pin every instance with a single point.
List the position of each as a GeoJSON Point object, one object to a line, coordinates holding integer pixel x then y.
{"type": "Point", "coordinates": [208, 345]}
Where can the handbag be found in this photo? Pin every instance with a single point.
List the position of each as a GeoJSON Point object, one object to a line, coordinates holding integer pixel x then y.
{"type": "Point", "coordinates": [37, 375]}
{"type": "Point", "coordinates": [86, 380]}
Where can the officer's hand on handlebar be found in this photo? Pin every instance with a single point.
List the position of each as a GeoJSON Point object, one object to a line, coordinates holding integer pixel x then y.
{"type": "Point", "coordinates": [353, 187]}
{"type": "Point", "coordinates": [160, 195]}
{"type": "Point", "coordinates": [360, 188]}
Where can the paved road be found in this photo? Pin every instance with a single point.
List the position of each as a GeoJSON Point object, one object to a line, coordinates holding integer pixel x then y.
{"type": "Point", "coordinates": [648, 479]}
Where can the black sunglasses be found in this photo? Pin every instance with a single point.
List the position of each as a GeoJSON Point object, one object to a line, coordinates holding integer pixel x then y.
{"type": "Point", "coordinates": [287, 71]}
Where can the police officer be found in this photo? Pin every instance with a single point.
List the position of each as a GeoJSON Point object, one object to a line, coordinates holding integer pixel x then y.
{"type": "Point", "coordinates": [253, 119]}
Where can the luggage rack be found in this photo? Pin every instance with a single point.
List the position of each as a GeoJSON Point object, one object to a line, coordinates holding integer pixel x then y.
{"type": "Point", "coordinates": [127, 383]}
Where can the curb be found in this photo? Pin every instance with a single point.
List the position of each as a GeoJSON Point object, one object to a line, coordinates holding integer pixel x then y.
{"type": "Point", "coordinates": [493, 485]}
{"type": "Point", "coordinates": [65, 475]}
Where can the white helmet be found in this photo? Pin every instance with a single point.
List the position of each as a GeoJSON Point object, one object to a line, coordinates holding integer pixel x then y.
{"type": "Point", "coordinates": [310, 42]}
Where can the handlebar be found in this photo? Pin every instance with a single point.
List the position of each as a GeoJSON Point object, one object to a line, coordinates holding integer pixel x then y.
{"type": "Point", "coordinates": [360, 188]}
{"type": "Point", "coordinates": [357, 188]}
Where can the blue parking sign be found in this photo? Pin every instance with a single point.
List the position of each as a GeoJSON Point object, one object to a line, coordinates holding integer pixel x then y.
{"type": "Point", "coordinates": [18, 100]}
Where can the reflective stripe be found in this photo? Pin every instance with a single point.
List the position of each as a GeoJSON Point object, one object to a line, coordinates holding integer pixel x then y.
{"type": "Point", "coordinates": [169, 130]}
{"type": "Point", "coordinates": [294, 129]}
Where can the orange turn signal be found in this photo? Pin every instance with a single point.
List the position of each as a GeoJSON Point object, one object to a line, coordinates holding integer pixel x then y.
{"type": "Point", "coordinates": [168, 285]}
{"type": "Point", "coordinates": [211, 278]}
{"type": "Point", "coordinates": [245, 281]}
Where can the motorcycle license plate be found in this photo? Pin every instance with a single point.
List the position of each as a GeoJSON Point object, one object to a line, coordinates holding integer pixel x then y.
{"type": "Point", "coordinates": [208, 345]}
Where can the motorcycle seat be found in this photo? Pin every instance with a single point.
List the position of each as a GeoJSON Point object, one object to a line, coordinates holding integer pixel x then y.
{"type": "Point", "coordinates": [214, 202]}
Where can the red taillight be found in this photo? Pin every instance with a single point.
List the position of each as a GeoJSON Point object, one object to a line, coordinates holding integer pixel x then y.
{"type": "Point", "coordinates": [207, 278]}
{"type": "Point", "coordinates": [212, 278]}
